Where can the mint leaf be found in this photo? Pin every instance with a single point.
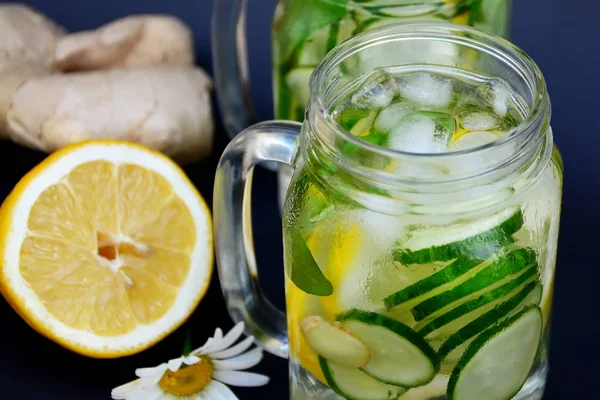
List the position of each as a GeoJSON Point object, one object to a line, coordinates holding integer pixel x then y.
{"type": "Point", "coordinates": [304, 271]}
{"type": "Point", "coordinates": [301, 18]}
{"type": "Point", "coordinates": [350, 116]}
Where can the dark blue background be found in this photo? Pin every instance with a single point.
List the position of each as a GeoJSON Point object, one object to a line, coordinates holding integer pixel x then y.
{"type": "Point", "coordinates": [563, 37]}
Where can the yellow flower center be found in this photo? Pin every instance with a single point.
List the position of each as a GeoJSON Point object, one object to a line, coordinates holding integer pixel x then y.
{"type": "Point", "coordinates": [189, 379]}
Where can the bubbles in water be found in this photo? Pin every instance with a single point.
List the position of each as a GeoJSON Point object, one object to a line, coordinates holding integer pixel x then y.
{"type": "Point", "coordinates": [392, 116]}
{"type": "Point", "coordinates": [496, 93]}
{"type": "Point", "coordinates": [478, 120]}
{"type": "Point", "coordinates": [426, 89]}
{"type": "Point", "coordinates": [419, 134]}
{"type": "Point", "coordinates": [377, 92]}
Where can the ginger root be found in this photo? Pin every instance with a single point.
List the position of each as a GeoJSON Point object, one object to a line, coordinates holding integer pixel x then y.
{"type": "Point", "coordinates": [27, 45]}
{"type": "Point", "coordinates": [135, 81]}
{"type": "Point", "coordinates": [167, 109]}
{"type": "Point", "coordinates": [131, 42]}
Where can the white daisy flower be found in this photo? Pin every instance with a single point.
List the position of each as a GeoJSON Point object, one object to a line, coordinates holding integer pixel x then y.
{"type": "Point", "coordinates": [202, 374]}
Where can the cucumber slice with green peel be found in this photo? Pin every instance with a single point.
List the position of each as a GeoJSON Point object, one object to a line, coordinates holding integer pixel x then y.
{"type": "Point", "coordinates": [297, 80]}
{"type": "Point", "coordinates": [527, 275]}
{"type": "Point", "coordinates": [503, 267]}
{"type": "Point", "coordinates": [477, 240]}
{"type": "Point", "coordinates": [481, 304]}
{"type": "Point", "coordinates": [435, 389]}
{"type": "Point", "coordinates": [490, 318]}
{"type": "Point", "coordinates": [435, 281]}
{"type": "Point", "coordinates": [496, 364]}
{"type": "Point", "coordinates": [353, 384]}
{"type": "Point", "coordinates": [399, 356]}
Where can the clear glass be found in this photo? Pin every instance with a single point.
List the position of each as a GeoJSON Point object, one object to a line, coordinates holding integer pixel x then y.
{"type": "Point", "coordinates": [438, 285]}
{"type": "Point", "coordinates": [304, 31]}
{"type": "Point", "coordinates": [294, 23]}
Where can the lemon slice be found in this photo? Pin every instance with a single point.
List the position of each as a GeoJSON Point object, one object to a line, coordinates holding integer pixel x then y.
{"type": "Point", "coordinates": [106, 247]}
{"type": "Point", "coordinates": [300, 305]}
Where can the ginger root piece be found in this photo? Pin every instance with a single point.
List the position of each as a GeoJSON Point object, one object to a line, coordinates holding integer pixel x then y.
{"type": "Point", "coordinates": [27, 45]}
{"type": "Point", "coordinates": [131, 42]}
{"type": "Point", "coordinates": [166, 108]}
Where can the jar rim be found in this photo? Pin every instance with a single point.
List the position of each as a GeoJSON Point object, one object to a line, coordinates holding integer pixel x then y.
{"type": "Point", "coordinates": [536, 120]}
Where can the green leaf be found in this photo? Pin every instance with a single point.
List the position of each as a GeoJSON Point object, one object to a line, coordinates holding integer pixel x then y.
{"type": "Point", "coordinates": [373, 136]}
{"type": "Point", "coordinates": [301, 18]}
{"type": "Point", "coordinates": [304, 271]}
{"type": "Point", "coordinates": [350, 116]}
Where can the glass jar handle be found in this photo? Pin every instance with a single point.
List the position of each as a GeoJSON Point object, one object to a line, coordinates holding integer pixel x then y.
{"type": "Point", "coordinates": [230, 65]}
{"type": "Point", "coordinates": [273, 141]}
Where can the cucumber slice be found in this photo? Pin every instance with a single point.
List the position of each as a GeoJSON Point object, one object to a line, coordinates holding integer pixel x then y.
{"type": "Point", "coordinates": [477, 240]}
{"type": "Point", "coordinates": [506, 265]}
{"type": "Point", "coordinates": [399, 356]}
{"type": "Point", "coordinates": [481, 304]}
{"type": "Point", "coordinates": [524, 298]}
{"type": "Point", "coordinates": [353, 384]}
{"type": "Point", "coordinates": [435, 281]}
{"type": "Point", "coordinates": [434, 390]}
{"type": "Point", "coordinates": [297, 80]}
{"type": "Point", "coordinates": [497, 363]}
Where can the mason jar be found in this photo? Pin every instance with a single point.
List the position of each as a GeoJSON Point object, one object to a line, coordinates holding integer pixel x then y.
{"type": "Point", "coordinates": [304, 31]}
{"type": "Point", "coordinates": [410, 273]}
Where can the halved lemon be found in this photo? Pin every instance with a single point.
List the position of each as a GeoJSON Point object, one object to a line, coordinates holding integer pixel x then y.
{"type": "Point", "coordinates": [106, 247]}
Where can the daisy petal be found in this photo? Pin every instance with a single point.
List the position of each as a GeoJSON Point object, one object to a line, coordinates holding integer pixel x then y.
{"type": "Point", "coordinates": [232, 336]}
{"type": "Point", "coordinates": [152, 393]}
{"type": "Point", "coordinates": [218, 391]}
{"type": "Point", "coordinates": [209, 342]}
{"type": "Point", "coordinates": [175, 364]}
{"type": "Point", "coordinates": [246, 360]}
{"type": "Point", "coordinates": [241, 378]}
{"type": "Point", "coordinates": [123, 391]}
{"type": "Point", "coordinates": [191, 360]}
{"type": "Point", "coordinates": [150, 372]}
{"type": "Point", "coordinates": [146, 383]}
{"type": "Point", "coordinates": [218, 334]}
{"type": "Point", "coordinates": [235, 350]}
{"type": "Point", "coordinates": [206, 346]}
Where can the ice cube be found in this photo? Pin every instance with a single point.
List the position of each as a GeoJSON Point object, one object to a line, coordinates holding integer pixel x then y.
{"type": "Point", "coordinates": [419, 134]}
{"type": "Point", "coordinates": [478, 120]}
{"type": "Point", "coordinates": [426, 89]}
{"type": "Point", "coordinates": [496, 93]}
{"type": "Point", "coordinates": [377, 92]}
{"type": "Point", "coordinates": [472, 140]}
{"type": "Point", "coordinates": [392, 115]}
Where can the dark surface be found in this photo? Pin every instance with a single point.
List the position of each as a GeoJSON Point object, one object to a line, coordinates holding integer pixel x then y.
{"type": "Point", "coordinates": [561, 36]}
